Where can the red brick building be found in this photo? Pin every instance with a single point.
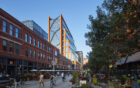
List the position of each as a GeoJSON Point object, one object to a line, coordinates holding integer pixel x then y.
{"type": "Point", "coordinates": [22, 50]}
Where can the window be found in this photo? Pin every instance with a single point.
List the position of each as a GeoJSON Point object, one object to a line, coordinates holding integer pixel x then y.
{"type": "Point", "coordinates": [11, 29]}
{"type": "Point", "coordinates": [17, 49]}
{"type": "Point", "coordinates": [4, 28]}
{"type": "Point", "coordinates": [39, 55]}
{"type": "Point", "coordinates": [56, 53]}
{"type": "Point", "coordinates": [49, 49]}
{"type": "Point", "coordinates": [34, 41]}
{"type": "Point", "coordinates": [17, 33]}
{"type": "Point", "coordinates": [30, 39]}
{"type": "Point", "coordinates": [31, 53]}
{"type": "Point", "coordinates": [43, 56]}
{"type": "Point", "coordinates": [41, 45]}
{"type": "Point", "coordinates": [4, 45]}
{"type": "Point", "coordinates": [49, 59]}
{"type": "Point", "coordinates": [34, 54]}
{"type": "Point", "coordinates": [26, 52]}
{"type": "Point", "coordinates": [38, 44]}
{"type": "Point", "coordinates": [26, 37]}
{"type": "Point", "coordinates": [11, 47]}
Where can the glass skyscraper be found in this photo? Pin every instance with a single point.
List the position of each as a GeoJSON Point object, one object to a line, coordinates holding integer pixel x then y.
{"type": "Point", "coordinates": [60, 36]}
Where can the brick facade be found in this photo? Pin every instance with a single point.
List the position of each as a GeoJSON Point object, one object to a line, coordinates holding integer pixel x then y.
{"type": "Point", "coordinates": [41, 59]}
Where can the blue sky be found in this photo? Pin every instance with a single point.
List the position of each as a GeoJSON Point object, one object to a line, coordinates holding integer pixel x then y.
{"type": "Point", "coordinates": [75, 13]}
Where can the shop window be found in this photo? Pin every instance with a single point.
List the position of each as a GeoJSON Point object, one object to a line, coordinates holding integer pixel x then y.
{"type": "Point", "coordinates": [4, 45]}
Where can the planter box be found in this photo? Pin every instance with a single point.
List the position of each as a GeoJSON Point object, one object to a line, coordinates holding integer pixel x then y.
{"type": "Point", "coordinates": [82, 82]}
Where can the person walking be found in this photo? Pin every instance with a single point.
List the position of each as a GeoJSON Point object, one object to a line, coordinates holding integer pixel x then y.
{"type": "Point", "coordinates": [62, 75]}
{"type": "Point", "coordinates": [94, 80]}
{"type": "Point", "coordinates": [52, 81]}
{"type": "Point", "coordinates": [41, 80]}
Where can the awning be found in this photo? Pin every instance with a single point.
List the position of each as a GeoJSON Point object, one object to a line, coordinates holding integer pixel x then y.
{"type": "Point", "coordinates": [133, 58]}
{"type": "Point", "coordinates": [120, 61]}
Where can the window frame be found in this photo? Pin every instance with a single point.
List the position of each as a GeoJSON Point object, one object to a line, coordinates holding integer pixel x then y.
{"type": "Point", "coordinates": [4, 47]}
{"type": "Point", "coordinates": [11, 47]}
{"type": "Point", "coordinates": [11, 29]}
{"type": "Point", "coordinates": [30, 39]}
{"type": "Point", "coordinates": [26, 37]}
{"type": "Point", "coordinates": [4, 26]}
{"type": "Point", "coordinates": [26, 52]}
{"type": "Point", "coordinates": [31, 53]}
{"type": "Point", "coordinates": [17, 32]}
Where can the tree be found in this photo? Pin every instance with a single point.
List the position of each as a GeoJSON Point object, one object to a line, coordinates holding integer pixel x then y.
{"type": "Point", "coordinates": [114, 33]}
{"type": "Point", "coordinates": [99, 29]}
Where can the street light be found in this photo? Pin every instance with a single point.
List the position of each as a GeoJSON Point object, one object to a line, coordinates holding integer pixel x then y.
{"type": "Point", "coordinates": [110, 66]}
{"type": "Point", "coordinates": [54, 61]}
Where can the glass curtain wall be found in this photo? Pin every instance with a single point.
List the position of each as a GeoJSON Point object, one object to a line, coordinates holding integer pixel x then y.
{"type": "Point", "coordinates": [36, 28]}
{"type": "Point", "coordinates": [55, 32]}
{"type": "Point", "coordinates": [68, 46]}
{"type": "Point", "coordinates": [69, 43]}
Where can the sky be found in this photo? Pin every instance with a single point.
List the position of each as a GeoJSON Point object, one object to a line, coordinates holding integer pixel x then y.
{"type": "Point", "coordinates": [75, 13]}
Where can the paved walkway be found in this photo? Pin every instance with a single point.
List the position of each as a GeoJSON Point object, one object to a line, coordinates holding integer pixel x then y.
{"type": "Point", "coordinates": [103, 86]}
{"type": "Point", "coordinates": [59, 83]}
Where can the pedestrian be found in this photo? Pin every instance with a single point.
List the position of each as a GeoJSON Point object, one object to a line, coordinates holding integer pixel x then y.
{"type": "Point", "coordinates": [62, 75]}
{"type": "Point", "coordinates": [94, 79]}
{"type": "Point", "coordinates": [41, 80]}
{"type": "Point", "coordinates": [68, 74]}
{"type": "Point", "coordinates": [135, 84]}
{"type": "Point", "coordinates": [57, 74]}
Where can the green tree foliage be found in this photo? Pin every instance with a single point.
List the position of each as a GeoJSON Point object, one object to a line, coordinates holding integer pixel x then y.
{"type": "Point", "coordinates": [114, 33]}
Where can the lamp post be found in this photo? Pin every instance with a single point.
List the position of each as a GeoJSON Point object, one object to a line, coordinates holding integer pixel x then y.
{"type": "Point", "coordinates": [54, 63]}
{"type": "Point", "coordinates": [110, 66]}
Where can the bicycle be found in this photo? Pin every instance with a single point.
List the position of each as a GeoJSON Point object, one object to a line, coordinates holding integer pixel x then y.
{"type": "Point", "coordinates": [52, 81]}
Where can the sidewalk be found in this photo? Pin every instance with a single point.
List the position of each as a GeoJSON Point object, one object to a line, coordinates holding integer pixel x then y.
{"type": "Point", "coordinates": [102, 85]}
{"type": "Point", "coordinates": [59, 83]}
